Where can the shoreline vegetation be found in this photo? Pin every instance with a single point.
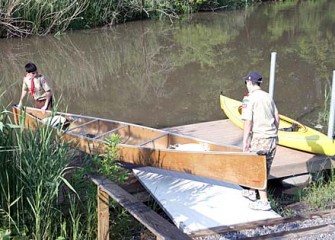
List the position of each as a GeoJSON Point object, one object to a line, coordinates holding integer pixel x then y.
{"type": "Point", "coordinates": [22, 18]}
{"type": "Point", "coordinates": [45, 192]}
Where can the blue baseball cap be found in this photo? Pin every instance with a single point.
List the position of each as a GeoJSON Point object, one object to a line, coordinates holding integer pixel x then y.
{"type": "Point", "coordinates": [253, 76]}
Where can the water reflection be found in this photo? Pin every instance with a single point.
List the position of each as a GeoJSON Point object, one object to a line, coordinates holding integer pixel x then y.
{"type": "Point", "coordinates": [158, 74]}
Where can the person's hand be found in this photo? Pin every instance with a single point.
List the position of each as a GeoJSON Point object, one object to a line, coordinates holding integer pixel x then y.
{"type": "Point", "coordinates": [245, 147]}
{"type": "Point", "coordinates": [44, 108]}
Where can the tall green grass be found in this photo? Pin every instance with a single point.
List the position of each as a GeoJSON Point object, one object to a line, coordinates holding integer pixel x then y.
{"type": "Point", "coordinates": [25, 17]}
{"type": "Point", "coordinates": [45, 192]}
{"type": "Point", "coordinates": [323, 115]}
{"type": "Point", "coordinates": [33, 168]}
{"type": "Point", "coordinates": [321, 193]}
{"type": "Point", "coordinates": [7, 172]}
{"type": "Point", "coordinates": [34, 165]}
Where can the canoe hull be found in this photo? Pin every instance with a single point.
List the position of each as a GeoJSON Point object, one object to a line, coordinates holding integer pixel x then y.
{"type": "Point", "coordinates": [225, 163]}
{"type": "Point", "coordinates": [303, 138]}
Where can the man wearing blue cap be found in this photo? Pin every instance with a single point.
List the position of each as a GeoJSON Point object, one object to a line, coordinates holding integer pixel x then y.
{"type": "Point", "coordinates": [260, 131]}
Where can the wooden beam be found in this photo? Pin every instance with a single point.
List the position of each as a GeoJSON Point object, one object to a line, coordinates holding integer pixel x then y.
{"type": "Point", "coordinates": [81, 125]}
{"type": "Point", "coordinates": [159, 226]}
{"type": "Point", "coordinates": [113, 130]}
{"type": "Point", "coordinates": [153, 139]}
{"type": "Point", "coordinates": [103, 215]}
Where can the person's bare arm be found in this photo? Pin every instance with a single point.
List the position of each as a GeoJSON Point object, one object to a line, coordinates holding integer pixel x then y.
{"type": "Point", "coordinates": [246, 135]}
{"type": "Point", "coordinates": [47, 100]}
{"type": "Point", "coordinates": [23, 94]}
{"type": "Point", "coordinates": [277, 119]}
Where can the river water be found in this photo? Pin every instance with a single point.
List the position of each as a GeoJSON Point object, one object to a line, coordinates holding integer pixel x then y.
{"type": "Point", "coordinates": [160, 74]}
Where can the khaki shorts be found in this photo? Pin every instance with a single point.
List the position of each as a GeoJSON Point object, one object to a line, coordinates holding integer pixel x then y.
{"type": "Point", "coordinates": [267, 145]}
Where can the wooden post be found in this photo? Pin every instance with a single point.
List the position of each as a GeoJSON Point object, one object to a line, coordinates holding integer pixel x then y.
{"type": "Point", "coordinates": [160, 227]}
{"type": "Point", "coordinates": [332, 110]}
{"type": "Point", "coordinates": [103, 215]}
{"type": "Point", "coordinates": [272, 73]}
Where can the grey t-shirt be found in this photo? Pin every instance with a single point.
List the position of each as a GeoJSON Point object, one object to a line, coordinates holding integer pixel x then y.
{"type": "Point", "coordinates": [259, 108]}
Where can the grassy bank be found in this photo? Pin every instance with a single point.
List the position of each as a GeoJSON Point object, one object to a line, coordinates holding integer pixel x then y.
{"type": "Point", "coordinates": [33, 173]}
{"type": "Point", "coordinates": [44, 189]}
{"type": "Point", "coordinates": [29, 17]}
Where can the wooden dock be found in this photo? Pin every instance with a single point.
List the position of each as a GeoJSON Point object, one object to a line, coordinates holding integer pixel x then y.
{"type": "Point", "coordinates": [201, 206]}
{"type": "Point", "coordinates": [287, 162]}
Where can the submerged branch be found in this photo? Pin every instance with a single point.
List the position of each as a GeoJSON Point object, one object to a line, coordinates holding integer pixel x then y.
{"type": "Point", "coordinates": [13, 27]}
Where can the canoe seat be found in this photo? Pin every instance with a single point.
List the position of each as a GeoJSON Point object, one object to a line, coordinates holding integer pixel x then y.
{"type": "Point", "coordinates": [57, 121]}
{"type": "Point", "coordinates": [294, 128]}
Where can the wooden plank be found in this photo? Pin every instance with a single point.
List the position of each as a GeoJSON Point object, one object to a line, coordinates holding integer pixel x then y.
{"type": "Point", "coordinates": [151, 220]}
{"type": "Point", "coordinates": [103, 214]}
{"type": "Point", "coordinates": [195, 203]}
{"type": "Point", "coordinates": [223, 166]}
{"type": "Point", "coordinates": [209, 164]}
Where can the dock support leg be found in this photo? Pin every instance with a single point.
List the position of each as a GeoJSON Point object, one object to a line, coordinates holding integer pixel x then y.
{"type": "Point", "coordinates": [332, 110]}
{"type": "Point", "coordinates": [103, 215]}
{"type": "Point", "coordinates": [272, 73]}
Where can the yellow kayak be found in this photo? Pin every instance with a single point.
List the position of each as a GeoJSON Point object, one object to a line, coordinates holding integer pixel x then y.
{"type": "Point", "coordinates": [291, 133]}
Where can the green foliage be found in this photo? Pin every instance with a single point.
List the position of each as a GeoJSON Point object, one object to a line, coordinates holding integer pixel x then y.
{"type": "Point", "coordinates": [107, 164]}
{"type": "Point", "coordinates": [80, 217]}
{"type": "Point", "coordinates": [35, 166]}
{"type": "Point", "coordinates": [278, 203]}
{"type": "Point", "coordinates": [25, 17]}
{"type": "Point", "coordinates": [321, 193]}
{"type": "Point", "coordinates": [323, 115]}
{"type": "Point", "coordinates": [222, 4]}
{"type": "Point", "coordinates": [8, 200]}
{"type": "Point", "coordinates": [38, 199]}
{"type": "Point", "coordinates": [4, 234]}
{"type": "Point", "coordinates": [40, 165]}
{"type": "Point", "coordinates": [122, 224]}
